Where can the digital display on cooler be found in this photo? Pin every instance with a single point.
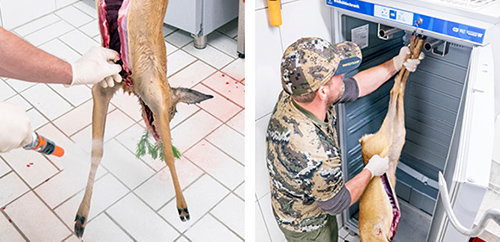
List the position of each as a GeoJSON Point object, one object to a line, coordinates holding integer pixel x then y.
{"type": "Point", "coordinates": [449, 28]}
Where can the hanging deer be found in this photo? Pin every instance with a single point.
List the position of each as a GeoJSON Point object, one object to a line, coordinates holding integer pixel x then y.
{"type": "Point", "coordinates": [134, 29]}
{"type": "Point", "coordinates": [379, 212]}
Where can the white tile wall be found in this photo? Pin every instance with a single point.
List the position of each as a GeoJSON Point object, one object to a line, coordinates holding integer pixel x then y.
{"type": "Point", "coordinates": [262, 186]}
{"type": "Point", "coordinates": [267, 61]}
{"type": "Point", "coordinates": [317, 24]}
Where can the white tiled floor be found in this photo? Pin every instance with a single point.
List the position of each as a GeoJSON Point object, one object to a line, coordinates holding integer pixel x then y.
{"type": "Point", "coordinates": [133, 198]}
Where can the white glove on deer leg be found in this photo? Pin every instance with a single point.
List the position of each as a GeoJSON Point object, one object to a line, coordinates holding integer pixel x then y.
{"type": "Point", "coordinates": [410, 64]}
{"type": "Point", "coordinates": [15, 127]}
{"type": "Point", "coordinates": [95, 66]}
{"type": "Point", "coordinates": [377, 165]}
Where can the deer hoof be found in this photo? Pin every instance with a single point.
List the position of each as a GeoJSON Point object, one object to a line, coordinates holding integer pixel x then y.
{"type": "Point", "coordinates": [79, 225]}
{"type": "Point", "coordinates": [184, 214]}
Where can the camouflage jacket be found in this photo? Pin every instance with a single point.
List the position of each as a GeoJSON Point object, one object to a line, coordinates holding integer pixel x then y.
{"type": "Point", "coordinates": [303, 159]}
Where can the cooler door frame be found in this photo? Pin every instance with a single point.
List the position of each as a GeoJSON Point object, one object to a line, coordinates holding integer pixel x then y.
{"type": "Point", "coordinates": [468, 176]}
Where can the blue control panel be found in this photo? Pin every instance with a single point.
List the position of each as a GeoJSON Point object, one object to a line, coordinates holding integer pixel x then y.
{"type": "Point", "coordinates": [449, 28]}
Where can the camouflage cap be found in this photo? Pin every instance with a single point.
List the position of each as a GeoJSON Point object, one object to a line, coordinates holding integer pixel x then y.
{"type": "Point", "coordinates": [310, 63]}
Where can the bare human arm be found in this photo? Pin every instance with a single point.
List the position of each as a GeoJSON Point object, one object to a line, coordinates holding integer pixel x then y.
{"type": "Point", "coordinates": [21, 60]}
{"type": "Point", "coordinates": [357, 185]}
{"type": "Point", "coordinates": [352, 190]}
{"type": "Point", "coordinates": [371, 79]}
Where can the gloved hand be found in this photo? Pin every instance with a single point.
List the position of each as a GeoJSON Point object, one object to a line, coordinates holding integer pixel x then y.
{"type": "Point", "coordinates": [97, 65]}
{"type": "Point", "coordinates": [377, 165]}
{"type": "Point", "coordinates": [15, 127]}
{"type": "Point", "coordinates": [411, 64]}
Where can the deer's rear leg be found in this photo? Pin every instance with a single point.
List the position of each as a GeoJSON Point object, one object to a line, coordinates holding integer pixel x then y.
{"type": "Point", "coordinates": [160, 103]}
{"type": "Point", "coordinates": [101, 97]}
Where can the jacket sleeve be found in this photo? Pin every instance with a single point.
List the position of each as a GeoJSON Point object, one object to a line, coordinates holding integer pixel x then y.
{"type": "Point", "coordinates": [351, 90]}
{"type": "Point", "coordinates": [337, 203]}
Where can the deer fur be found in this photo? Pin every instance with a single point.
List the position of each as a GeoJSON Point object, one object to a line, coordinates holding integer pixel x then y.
{"type": "Point", "coordinates": [147, 59]}
{"type": "Point", "coordinates": [375, 210]}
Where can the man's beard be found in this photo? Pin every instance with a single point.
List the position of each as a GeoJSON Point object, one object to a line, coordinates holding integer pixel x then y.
{"type": "Point", "coordinates": [332, 99]}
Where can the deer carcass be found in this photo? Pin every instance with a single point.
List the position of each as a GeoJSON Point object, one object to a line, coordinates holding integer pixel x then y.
{"type": "Point", "coordinates": [379, 212]}
{"type": "Point", "coordinates": [134, 29]}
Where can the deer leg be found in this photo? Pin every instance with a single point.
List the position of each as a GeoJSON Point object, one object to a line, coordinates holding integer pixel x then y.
{"type": "Point", "coordinates": [160, 104]}
{"type": "Point", "coordinates": [101, 97]}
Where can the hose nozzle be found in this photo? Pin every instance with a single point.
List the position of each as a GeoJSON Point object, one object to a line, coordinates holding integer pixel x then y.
{"type": "Point", "coordinates": [44, 146]}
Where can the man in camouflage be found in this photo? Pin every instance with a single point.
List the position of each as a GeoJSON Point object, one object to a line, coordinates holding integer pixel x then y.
{"type": "Point", "coordinates": [303, 155]}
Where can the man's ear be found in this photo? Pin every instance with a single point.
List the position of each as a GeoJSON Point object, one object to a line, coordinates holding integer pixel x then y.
{"type": "Point", "coordinates": [322, 92]}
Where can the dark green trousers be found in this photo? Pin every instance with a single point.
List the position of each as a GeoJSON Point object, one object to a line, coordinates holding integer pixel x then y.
{"type": "Point", "coordinates": [328, 233]}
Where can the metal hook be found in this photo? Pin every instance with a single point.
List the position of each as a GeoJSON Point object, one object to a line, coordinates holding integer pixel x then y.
{"type": "Point", "coordinates": [493, 213]}
{"type": "Point", "coordinates": [386, 32]}
{"type": "Point", "coordinates": [434, 45]}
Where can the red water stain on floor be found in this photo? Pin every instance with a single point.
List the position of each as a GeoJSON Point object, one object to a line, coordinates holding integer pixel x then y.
{"type": "Point", "coordinates": [223, 75]}
{"type": "Point", "coordinates": [29, 164]}
{"type": "Point", "coordinates": [164, 175]}
{"type": "Point", "coordinates": [227, 83]}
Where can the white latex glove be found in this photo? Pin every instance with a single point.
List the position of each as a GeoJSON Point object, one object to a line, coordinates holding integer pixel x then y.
{"type": "Point", "coordinates": [97, 65]}
{"type": "Point", "coordinates": [377, 165]}
{"type": "Point", "coordinates": [411, 64]}
{"type": "Point", "coordinates": [15, 127]}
